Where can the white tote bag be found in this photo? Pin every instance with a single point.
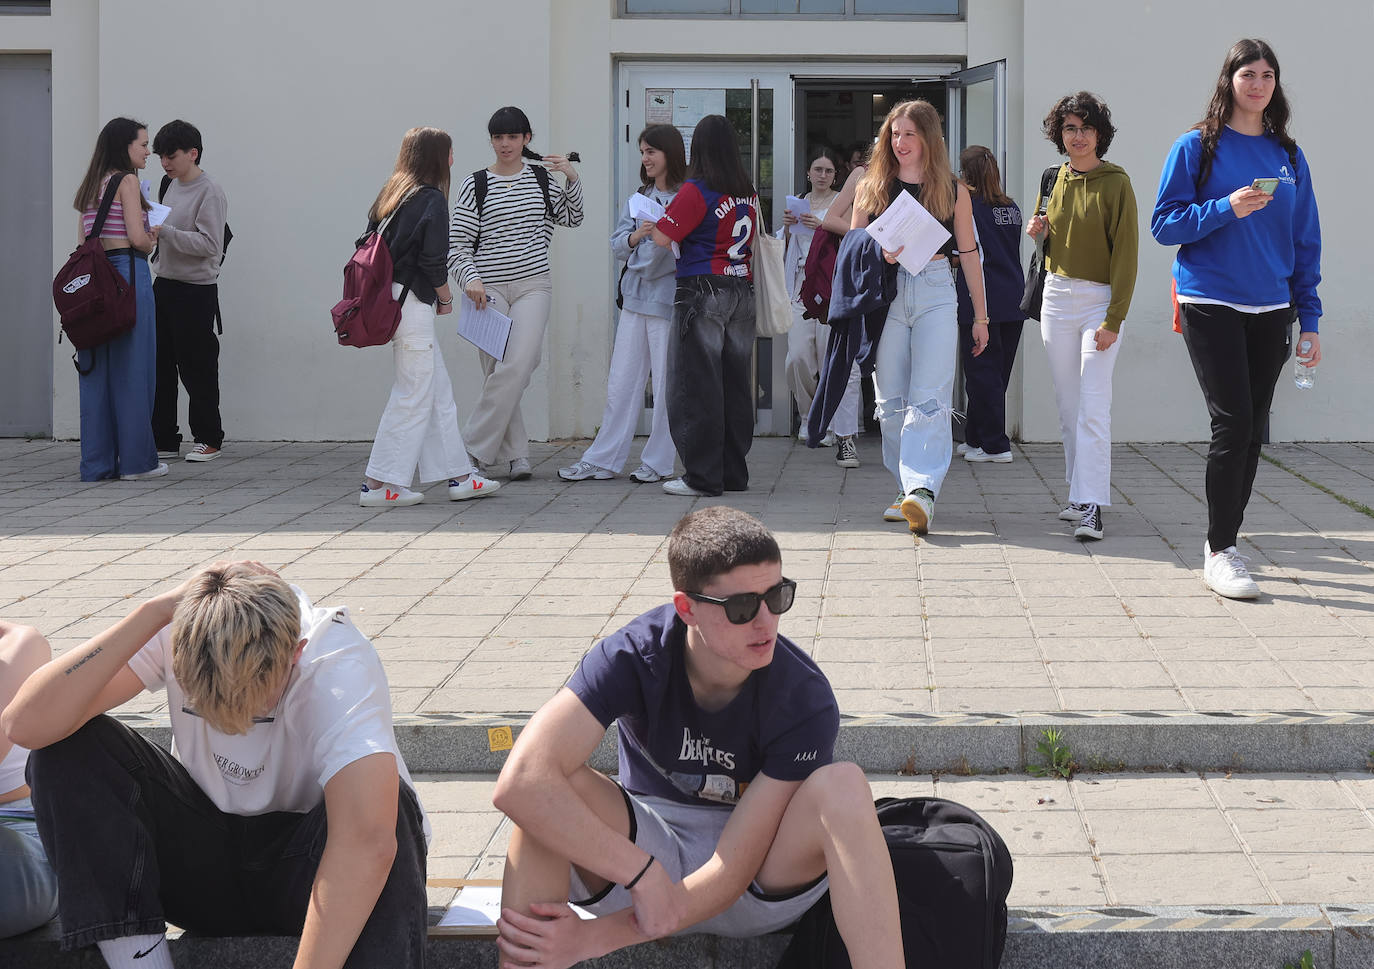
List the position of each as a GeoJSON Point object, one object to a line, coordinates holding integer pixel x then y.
{"type": "Point", "coordinates": [772, 308]}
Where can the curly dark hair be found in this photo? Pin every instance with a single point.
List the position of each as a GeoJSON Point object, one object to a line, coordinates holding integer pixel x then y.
{"type": "Point", "coordinates": [1088, 106]}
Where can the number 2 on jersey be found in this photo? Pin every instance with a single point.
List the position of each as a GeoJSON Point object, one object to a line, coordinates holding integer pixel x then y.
{"type": "Point", "coordinates": [743, 230]}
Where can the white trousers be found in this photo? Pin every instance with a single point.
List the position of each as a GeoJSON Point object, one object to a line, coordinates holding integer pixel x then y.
{"type": "Point", "coordinates": [419, 427]}
{"type": "Point", "coordinates": [1073, 310]}
{"type": "Point", "coordinates": [641, 349]}
{"type": "Point", "coordinates": [495, 430]}
{"type": "Point", "coordinates": [806, 343]}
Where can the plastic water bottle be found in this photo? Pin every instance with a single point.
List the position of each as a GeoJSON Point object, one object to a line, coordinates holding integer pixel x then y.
{"type": "Point", "coordinates": [1304, 377]}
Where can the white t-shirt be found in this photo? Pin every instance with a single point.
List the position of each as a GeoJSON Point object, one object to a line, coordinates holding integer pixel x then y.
{"type": "Point", "coordinates": [336, 709]}
{"type": "Point", "coordinates": [12, 769]}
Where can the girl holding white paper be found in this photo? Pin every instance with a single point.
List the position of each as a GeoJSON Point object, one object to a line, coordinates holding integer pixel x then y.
{"type": "Point", "coordinates": [419, 427]}
{"type": "Point", "coordinates": [646, 291]}
{"type": "Point", "coordinates": [913, 377]}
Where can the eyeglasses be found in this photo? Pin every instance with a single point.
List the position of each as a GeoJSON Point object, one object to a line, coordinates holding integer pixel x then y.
{"type": "Point", "coordinates": [1073, 130]}
{"type": "Point", "coordinates": [742, 607]}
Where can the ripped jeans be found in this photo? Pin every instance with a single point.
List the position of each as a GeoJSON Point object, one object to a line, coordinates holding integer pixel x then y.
{"type": "Point", "coordinates": [913, 378]}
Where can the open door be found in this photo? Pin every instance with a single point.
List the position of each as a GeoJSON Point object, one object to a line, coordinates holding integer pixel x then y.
{"type": "Point", "coordinates": [978, 111]}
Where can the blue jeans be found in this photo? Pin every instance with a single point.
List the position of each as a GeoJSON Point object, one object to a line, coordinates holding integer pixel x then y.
{"type": "Point", "coordinates": [710, 395]}
{"type": "Point", "coordinates": [28, 887]}
{"type": "Point", "coordinates": [913, 378]}
{"type": "Point", "coordinates": [117, 395]}
{"type": "Point", "coordinates": [136, 843]}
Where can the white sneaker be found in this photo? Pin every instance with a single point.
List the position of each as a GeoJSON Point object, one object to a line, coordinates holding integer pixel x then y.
{"type": "Point", "coordinates": [202, 452]}
{"type": "Point", "coordinates": [918, 508]}
{"type": "Point", "coordinates": [473, 486]}
{"type": "Point", "coordinates": [829, 439]}
{"type": "Point", "coordinates": [582, 470]}
{"type": "Point", "coordinates": [1226, 575]}
{"type": "Point", "coordinates": [679, 487]}
{"type": "Point", "coordinates": [801, 435]}
{"type": "Point", "coordinates": [962, 449]}
{"type": "Point", "coordinates": [894, 510]}
{"type": "Point", "coordinates": [156, 472]}
{"type": "Point", "coordinates": [1073, 512]}
{"type": "Point", "coordinates": [388, 497]}
{"type": "Point", "coordinates": [520, 469]}
{"type": "Point", "coordinates": [645, 474]}
{"type": "Point", "coordinates": [978, 456]}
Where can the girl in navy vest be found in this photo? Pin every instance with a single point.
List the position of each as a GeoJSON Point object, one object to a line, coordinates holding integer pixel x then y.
{"type": "Point", "coordinates": [1248, 262]}
{"type": "Point", "coordinates": [998, 220]}
{"type": "Point", "coordinates": [913, 374]}
{"type": "Point", "coordinates": [713, 219]}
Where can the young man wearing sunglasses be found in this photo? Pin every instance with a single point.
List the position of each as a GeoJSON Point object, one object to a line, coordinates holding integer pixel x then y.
{"type": "Point", "coordinates": [729, 816]}
{"type": "Point", "coordinates": [287, 809]}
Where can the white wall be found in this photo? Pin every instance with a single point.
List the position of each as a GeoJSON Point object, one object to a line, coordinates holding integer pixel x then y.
{"type": "Point", "coordinates": [1155, 64]}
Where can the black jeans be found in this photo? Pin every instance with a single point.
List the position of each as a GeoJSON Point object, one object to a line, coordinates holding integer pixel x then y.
{"type": "Point", "coordinates": [136, 843]}
{"type": "Point", "coordinates": [710, 395]}
{"type": "Point", "coordinates": [1238, 358]}
{"type": "Point", "coordinates": [187, 347]}
{"type": "Point", "coordinates": [985, 384]}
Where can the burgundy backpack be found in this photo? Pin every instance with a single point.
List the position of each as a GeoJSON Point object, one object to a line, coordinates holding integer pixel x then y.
{"type": "Point", "coordinates": [95, 302]}
{"type": "Point", "coordinates": [367, 316]}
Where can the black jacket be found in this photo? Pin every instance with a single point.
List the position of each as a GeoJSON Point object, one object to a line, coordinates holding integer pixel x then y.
{"type": "Point", "coordinates": [417, 237]}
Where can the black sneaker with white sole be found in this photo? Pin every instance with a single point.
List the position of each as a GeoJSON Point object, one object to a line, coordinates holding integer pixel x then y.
{"type": "Point", "coordinates": [1090, 525]}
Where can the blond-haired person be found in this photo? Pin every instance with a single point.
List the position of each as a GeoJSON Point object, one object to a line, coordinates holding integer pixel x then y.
{"type": "Point", "coordinates": [287, 808]}
{"type": "Point", "coordinates": [913, 375]}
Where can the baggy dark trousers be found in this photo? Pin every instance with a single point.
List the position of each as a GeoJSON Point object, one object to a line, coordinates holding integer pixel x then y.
{"type": "Point", "coordinates": [187, 348]}
{"type": "Point", "coordinates": [136, 843]}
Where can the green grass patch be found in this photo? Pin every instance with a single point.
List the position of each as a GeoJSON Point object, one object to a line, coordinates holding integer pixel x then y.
{"type": "Point", "coordinates": [1363, 509]}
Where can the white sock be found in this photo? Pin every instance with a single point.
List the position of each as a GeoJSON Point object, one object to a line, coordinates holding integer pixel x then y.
{"type": "Point", "coordinates": [137, 952]}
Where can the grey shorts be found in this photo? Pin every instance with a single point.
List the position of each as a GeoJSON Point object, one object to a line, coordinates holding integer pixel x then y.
{"type": "Point", "coordinates": [683, 837]}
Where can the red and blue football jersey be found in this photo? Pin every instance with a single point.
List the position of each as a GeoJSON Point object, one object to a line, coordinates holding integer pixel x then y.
{"type": "Point", "coordinates": [715, 232]}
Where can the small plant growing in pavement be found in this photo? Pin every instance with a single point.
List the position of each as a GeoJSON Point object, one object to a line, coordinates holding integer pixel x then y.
{"type": "Point", "coordinates": [1304, 963]}
{"type": "Point", "coordinates": [1058, 758]}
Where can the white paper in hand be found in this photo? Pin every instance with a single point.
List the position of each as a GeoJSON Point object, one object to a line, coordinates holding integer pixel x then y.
{"type": "Point", "coordinates": [906, 225]}
{"type": "Point", "coordinates": [799, 207]}
{"type": "Point", "coordinates": [644, 209]}
{"type": "Point", "coordinates": [488, 330]}
{"type": "Point", "coordinates": [157, 214]}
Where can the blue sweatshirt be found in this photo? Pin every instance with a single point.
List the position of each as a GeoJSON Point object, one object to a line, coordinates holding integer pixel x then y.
{"type": "Point", "coordinates": [650, 280]}
{"type": "Point", "coordinates": [1251, 261]}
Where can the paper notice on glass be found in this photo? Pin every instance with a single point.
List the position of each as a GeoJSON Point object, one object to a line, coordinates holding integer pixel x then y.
{"type": "Point", "coordinates": [799, 207]}
{"type": "Point", "coordinates": [644, 209]}
{"type": "Point", "coordinates": [690, 105]}
{"type": "Point", "coordinates": [906, 225]}
{"type": "Point", "coordinates": [658, 105]}
{"type": "Point", "coordinates": [488, 330]}
{"type": "Point", "coordinates": [477, 907]}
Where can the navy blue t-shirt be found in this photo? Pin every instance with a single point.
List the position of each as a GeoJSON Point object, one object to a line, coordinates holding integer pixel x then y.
{"type": "Point", "coordinates": [783, 723]}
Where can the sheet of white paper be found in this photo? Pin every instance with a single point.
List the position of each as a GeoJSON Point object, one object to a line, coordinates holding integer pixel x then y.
{"type": "Point", "coordinates": [690, 105]}
{"type": "Point", "coordinates": [479, 906]}
{"type": "Point", "coordinates": [645, 209]}
{"type": "Point", "coordinates": [799, 207]}
{"type": "Point", "coordinates": [906, 225]}
{"type": "Point", "coordinates": [157, 214]}
{"type": "Point", "coordinates": [488, 330]}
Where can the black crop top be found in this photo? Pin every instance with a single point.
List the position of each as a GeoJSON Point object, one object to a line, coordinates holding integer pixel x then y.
{"type": "Point", "coordinates": [914, 190]}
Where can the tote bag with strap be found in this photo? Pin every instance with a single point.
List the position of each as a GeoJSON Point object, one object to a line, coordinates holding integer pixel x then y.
{"type": "Point", "coordinates": [1033, 297]}
{"type": "Point", "coordinates": [772, 308]}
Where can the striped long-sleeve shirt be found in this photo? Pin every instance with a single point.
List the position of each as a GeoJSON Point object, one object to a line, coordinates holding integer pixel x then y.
{"type": "Point", "coordinates": [516, 229]}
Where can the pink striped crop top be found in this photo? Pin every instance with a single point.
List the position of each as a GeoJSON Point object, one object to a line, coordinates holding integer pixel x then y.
{"type": "Point", "coordinates": [114, 227]}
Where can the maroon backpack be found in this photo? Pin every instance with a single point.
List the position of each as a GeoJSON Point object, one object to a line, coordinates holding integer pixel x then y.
{"type": "Point", "coordinates": [368, 315]}
{"type": "Point", "coordinates": [95, 302]}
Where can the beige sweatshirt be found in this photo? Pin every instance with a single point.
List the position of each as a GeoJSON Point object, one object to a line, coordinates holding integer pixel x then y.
{"type": "Point", "coordinates": [190, 241]}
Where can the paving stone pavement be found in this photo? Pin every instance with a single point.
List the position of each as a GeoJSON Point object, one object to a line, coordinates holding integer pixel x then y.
{"type": "Point", "coordinates": [485, 606]}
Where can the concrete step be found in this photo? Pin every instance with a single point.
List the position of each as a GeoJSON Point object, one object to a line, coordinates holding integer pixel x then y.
{"type": "Point", "coordinates": [962, 743]}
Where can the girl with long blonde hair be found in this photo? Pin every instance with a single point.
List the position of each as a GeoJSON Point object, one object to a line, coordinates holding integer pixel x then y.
{"type": "Point", "coordinates": [913, 377]}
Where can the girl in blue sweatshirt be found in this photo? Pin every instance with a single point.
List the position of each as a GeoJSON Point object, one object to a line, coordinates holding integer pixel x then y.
{"type": "Point", "coordinates": [1248, 262]}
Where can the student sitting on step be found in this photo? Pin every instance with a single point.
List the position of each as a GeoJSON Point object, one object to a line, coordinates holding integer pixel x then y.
{"type": "Point", "coordinates": [729, 816]}
{"type": "Point", "coordinates": [286, 810]}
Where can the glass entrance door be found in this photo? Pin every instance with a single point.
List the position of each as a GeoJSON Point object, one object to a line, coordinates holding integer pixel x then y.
{"type": "Point", "coordinates": [978, 111]}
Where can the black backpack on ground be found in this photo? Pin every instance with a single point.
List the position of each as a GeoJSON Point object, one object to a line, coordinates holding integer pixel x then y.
{"type": "Point", "coordinates": [953, 875]}
{"type": "Point", "coordinates": [479, 189]}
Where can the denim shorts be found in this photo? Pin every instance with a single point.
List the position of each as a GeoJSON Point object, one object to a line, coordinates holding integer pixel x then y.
{"type": "Point", "coordinates": [682, 837]}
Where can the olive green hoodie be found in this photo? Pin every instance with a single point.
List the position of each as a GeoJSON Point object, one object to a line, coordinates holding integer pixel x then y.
{"type": "Point", "coordinates": [1093, 233]}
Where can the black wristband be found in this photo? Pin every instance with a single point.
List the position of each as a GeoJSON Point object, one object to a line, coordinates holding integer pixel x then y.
{"type": "Point", "coordinates": [635, 880]}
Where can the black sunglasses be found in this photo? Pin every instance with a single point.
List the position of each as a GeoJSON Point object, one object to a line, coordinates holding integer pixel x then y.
{"type": "Point", "coordinates": [742, 607]}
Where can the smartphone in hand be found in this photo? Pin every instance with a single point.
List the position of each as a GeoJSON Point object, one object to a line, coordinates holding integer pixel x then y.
{"type": "Point", "coordinates": [1265, 185]}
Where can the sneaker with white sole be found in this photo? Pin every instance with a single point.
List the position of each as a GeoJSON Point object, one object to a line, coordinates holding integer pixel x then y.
{"type": "Point", "coordinates": [801, 435]}
{"type": "Point", "coordinates": [680, 487]}
{"type": "Point", "coordinates": [918, 508]}
{"type": "Point", "coordinates": [645, 475]}
{"type": "Point", "coordinates": [894, 510]}
{"type": "Point", "coordinates": [962, 449]}
{"type": "Point", "coordinates": [169, 452]}
{"type": "Point", "coordinates": [388, 497]}
{"type": "Point", "coordinates": [1090, 525]}
{"type": "Point", "coordinates": [582, 470]}
{"type": "Point", "coordinates": [1226, 575]}
{"type": "Point", "coordinates": [202, 452]}
{"type": "Point", "coordinates": [473, 486]}
{"type": "Point", "coordinates": [978, 456]}
{"type": "Point", "coordinates": [847, 452]}
{"type": "Point", "coordinates": [156, 472]}
{"type": "Point", "coordinates": [520, 469]}
{"type": "Point", "coordinates": [1073, 512]}
{"type": "Point", "coordinates": [829, 439]}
